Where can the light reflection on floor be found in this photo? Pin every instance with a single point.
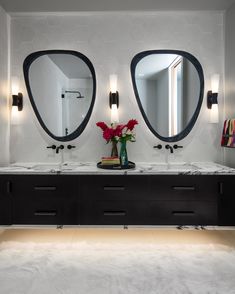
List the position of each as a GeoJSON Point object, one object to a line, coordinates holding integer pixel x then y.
{"type": "Point", "coordinates": [159, 236]}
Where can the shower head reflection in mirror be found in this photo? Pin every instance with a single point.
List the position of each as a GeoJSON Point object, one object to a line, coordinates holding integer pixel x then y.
{"type": "Point", "coordinates": [61, 86]}
{"type": "Point", "coordinates": [169, 86]}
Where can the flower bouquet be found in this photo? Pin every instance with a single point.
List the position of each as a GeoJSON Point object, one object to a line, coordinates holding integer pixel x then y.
{"type": "Point", "coordinates": [119, 133]}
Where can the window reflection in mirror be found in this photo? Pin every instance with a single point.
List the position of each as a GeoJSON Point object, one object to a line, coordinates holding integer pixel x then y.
{"type": "Point", "coordinates": [168, 90]}
{"type": "Point", "coordinates": [61, 88]}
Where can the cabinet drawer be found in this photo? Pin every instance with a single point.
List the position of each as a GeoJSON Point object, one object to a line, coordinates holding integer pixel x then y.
{"type": "Point", "coordinates": [181, 187]}
{"type": "Point", "coordinates": [46, 185]}
{"type": "Point", "coordinates": [113, 213]}
{"type": "Point", "coordinates": [40, 210]}
{"type": "Point", "coordinates": [114, 187]}
{"type": "Point", "coordinates": [182, 213]}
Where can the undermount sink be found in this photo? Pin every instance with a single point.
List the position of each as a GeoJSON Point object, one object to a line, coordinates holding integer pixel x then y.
{"type": "Point", "coordinates": [50, 167]}
{"type": "Point", "coordinates": [172, 167]}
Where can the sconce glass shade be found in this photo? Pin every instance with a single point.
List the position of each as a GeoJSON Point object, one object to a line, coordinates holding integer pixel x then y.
{"type": "Point", "coordinates": [14, 85]}
{"type": "Point", "coordinates": [14, 115]}
{"type": "Point", "coordinates": [215, 83]}
{"type": "Point", "coordinates": [114, 114]}
{"type": "Point", "coordinates": [113, 83]}
{"type": "Point", "coordinates": [212, 95]}
{"type": "Point", "coordinates": [214, 114]}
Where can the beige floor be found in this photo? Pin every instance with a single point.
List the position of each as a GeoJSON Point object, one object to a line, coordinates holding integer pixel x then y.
{"type": "Point", "coordinates": [169, 236]}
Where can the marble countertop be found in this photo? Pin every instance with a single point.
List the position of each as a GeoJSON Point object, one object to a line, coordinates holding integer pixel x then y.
{"type": "Point", "coordinates": [90, 168]}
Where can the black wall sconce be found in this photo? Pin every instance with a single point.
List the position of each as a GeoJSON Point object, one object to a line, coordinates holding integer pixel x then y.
{"type": "Point", "coordinates": [17, 97]}
{"type": "Point", "coordinates": [114, 99]}
{"type": "Point", "coordinates": [17, 101]}
{"type": "Point", "coordinates": [212, 99]}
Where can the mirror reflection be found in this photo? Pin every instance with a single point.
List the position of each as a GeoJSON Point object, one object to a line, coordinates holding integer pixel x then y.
{"type": "Point", "coordinates": [62, 92]}
{"type": "Point", "coordinates": [168, 88]}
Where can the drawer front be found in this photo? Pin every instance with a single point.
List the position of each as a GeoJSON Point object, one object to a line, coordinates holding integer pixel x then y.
{"type": "Point", "coordinates": [106, 188]}
{"type": "Point", "coordinates": [113, 213]}
{"type": "Point", "coordinates": [5, 210]}
{"type": "Point", "coordinates": [45, 211]}
{"type": "Point", "coordinates": [182, 213]}
{"type": "Point", "coordinates": [45, 185]}
{"type": "Point", "coordinates": [5, 201]}
{"type": "Point", "coordinates": [227, 201]}
{"type": "Point", "coordinates": [181, 187]}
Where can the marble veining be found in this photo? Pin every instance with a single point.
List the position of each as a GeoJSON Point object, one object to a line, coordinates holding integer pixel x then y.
{"type": "Point", "coordinates": [73, 168]}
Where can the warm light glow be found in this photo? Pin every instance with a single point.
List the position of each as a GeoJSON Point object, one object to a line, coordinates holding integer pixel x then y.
{"type": "Point", "coordinates": [14, 86]}
{"type": "Point", "coordinates": [14, 115]}
{"type": "Point", "coordinates": [214, 114]}
{"type": "Point", "coordinates": [114, 114]}
{"type": "Point", "coordinates": [215, 83]}
{"type": "Point", "coordinates": [113, 83]}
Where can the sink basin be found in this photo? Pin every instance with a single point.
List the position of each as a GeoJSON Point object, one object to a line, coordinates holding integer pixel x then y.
{"type": "Point", "coordinates": [47, 167]}
{"type": "Point", "coordinates": [174, 167]}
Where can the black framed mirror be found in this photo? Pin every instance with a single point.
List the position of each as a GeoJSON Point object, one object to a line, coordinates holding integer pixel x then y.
{"type": "Point", "coordinates": [169, 88]}
{"type": "Point", "coordinates": [61, 85]}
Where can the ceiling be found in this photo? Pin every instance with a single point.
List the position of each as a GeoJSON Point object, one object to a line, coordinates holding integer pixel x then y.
{"type": "Point", "coordinates": [111, 5]}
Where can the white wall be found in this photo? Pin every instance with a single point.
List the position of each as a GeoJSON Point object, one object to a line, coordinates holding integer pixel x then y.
{"type": "Point", "coordinates": [4, 87]}
{"type": "Point", "coordinates": [230, 75]}
{"type": "Point", "coordinates": [110, 40]}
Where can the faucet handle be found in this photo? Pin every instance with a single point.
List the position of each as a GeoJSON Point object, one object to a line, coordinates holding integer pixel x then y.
{"type": "Point", "coordinates": [61, 147]}
{"type": "Point", "coordinates": [51, 147]}
{"type": "Point", "coordinates": [177, 146]}
{"type": "Point", "coordinates": [159, 146]}
{"type": "Point", "coordinates": [71, 146]}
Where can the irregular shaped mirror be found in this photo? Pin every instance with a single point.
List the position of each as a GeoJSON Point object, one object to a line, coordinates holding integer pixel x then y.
{"type": "Point", "coordinates": [169, 86]}
{"type": "Point", "coordinates": [61, 86]}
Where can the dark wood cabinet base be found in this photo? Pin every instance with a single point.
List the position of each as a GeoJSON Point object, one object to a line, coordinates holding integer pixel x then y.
{"type": "Point", "coordinates": [198, 200]}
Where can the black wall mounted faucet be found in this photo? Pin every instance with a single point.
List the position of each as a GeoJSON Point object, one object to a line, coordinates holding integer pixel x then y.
{"type": "Point", "coordinates": [58, 148]}
{"type": "Point", "coordinates": [169, 147]}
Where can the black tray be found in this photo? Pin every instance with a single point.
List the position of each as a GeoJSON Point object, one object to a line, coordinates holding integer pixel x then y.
{"type": "Point", "coordinates": [116, 166]}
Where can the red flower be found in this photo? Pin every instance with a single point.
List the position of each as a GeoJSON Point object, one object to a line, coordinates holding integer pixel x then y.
{"type": "Point", "coordinates": [118, 130]}
{"type": "Point", "coordinates": [108, 134]}
{"type": "Point", "coordinates": [131, 124]}
{"type": "Point", "coordinates": [102, 125]}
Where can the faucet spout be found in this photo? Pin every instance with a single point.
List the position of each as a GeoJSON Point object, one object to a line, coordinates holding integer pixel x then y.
{"type": "Point", "coordinates": [169, 147]}
{"type": "Point", "coordinates": [58, 148]}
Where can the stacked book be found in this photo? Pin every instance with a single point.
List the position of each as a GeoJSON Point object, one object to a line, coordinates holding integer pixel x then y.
{"type": "Point", "coordinates": [110, 161]}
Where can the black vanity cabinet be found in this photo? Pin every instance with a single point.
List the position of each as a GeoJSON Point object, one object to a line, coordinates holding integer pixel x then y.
{"type": "Point", "coordinates": [226, 200]}
{"type": "Point", "coordinates": [113, 200]}
{"type": "Point", "coordinates": [117, 200]}
{"type": "Point", "coordinates": [149, 200]}
{"type": "Point", "coordinates": [5, 201]}
{"type": "Point", "coordinates": [182, 200]}
{"type": "Point", "coordinates": [45, 200]}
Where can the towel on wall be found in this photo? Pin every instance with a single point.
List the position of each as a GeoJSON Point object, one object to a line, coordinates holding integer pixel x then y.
{"type": "Point", "coordinates": [228, 136]}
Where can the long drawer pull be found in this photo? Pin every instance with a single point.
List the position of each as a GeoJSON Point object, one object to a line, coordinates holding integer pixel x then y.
{"type": "Point", "coordinates": [180, 213]}
{"type": "Point", "coordinates": [9, 187]}
{"type": "Point", "coordinates": [184, 188]}
{"type": "Point", "coordinates": [44, 188]}
{"type": "Point", "coordinates": [45, 213]}
{"type": "Point", "coordinates": [221, 190]}
{"type": "Point", "coordinates": [115, 213]}
{"type": "Point", "coordinates": [114, 188]}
